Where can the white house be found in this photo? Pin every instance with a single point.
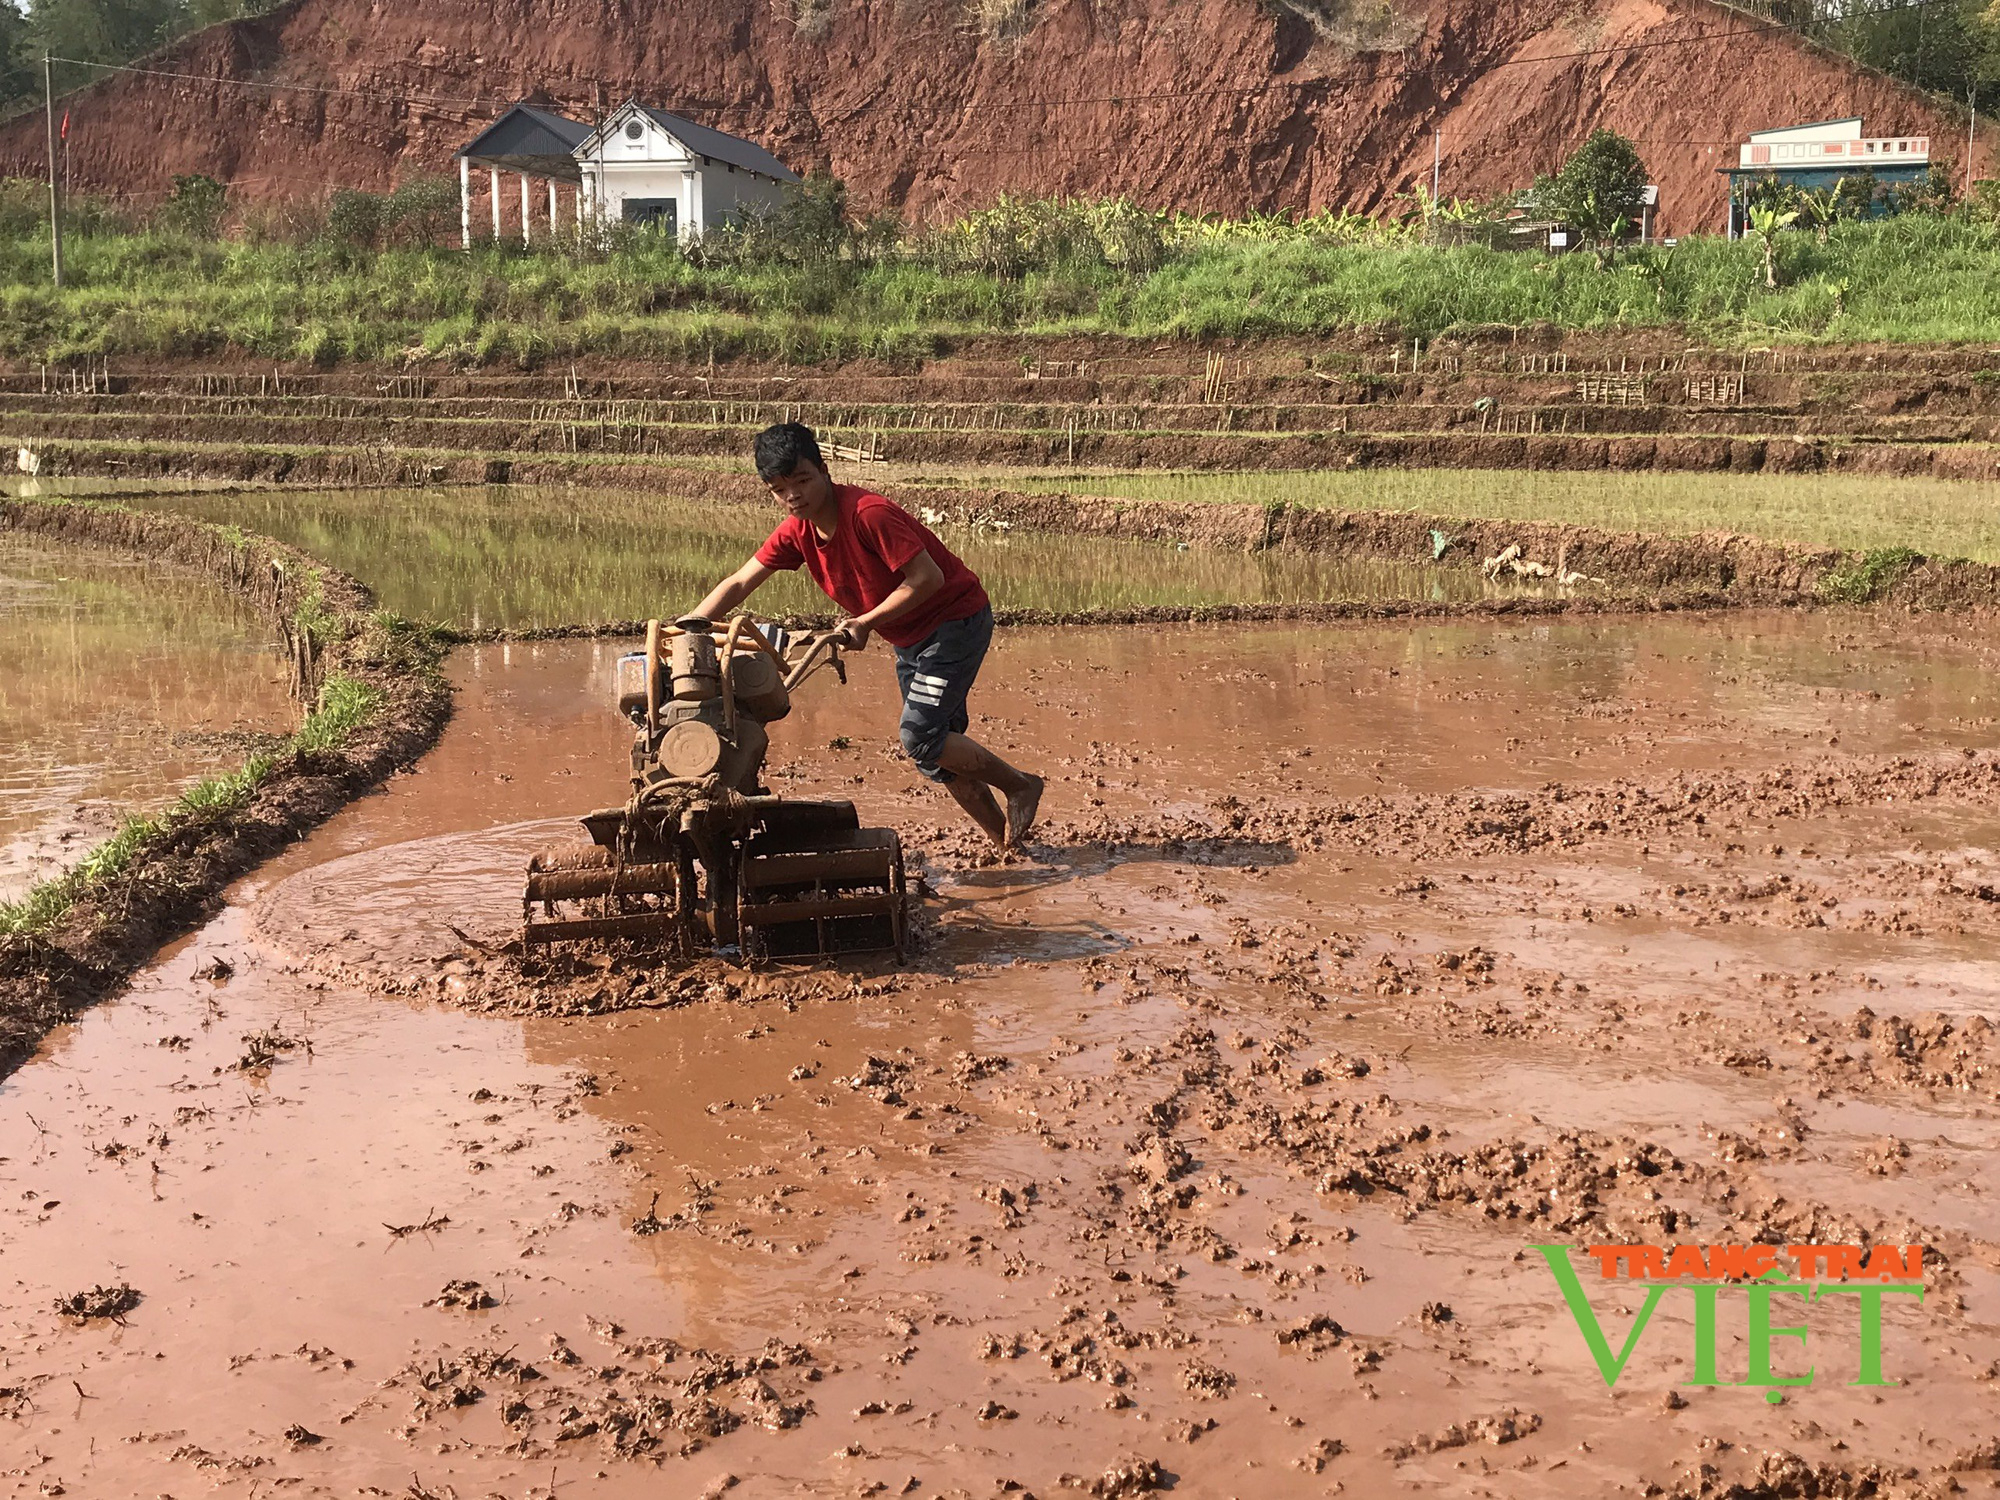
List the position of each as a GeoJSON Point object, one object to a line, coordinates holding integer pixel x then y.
{"type": "Point", "coordinates": [646, 166]}
{"type": "Point", "coordinates": [641, 166]}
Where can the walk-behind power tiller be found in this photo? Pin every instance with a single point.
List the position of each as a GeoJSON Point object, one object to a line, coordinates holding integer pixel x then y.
{"type": "Point", "coordinates": [703, 854]}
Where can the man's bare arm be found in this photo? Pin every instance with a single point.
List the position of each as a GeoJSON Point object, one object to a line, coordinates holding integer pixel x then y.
{"type": "Point", "coordinates": [733, 590]}
{"type": "Point", "coordinates": [921, 579]}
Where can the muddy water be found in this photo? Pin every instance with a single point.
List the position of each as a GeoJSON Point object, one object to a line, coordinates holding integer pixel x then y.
{"type": "Point", "coordinates": [120, 683]}
{"type": "Point", "coordinates": [1072, 1189]}
{"type": "Point", "coordinates": [518, 557]}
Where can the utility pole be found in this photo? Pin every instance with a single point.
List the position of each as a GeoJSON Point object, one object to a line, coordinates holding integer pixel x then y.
{"type": "Point", "coordinates": [1971, 133]}
{"type": "Point", "coordinates": [1437, 162]}
{"type": "Point", "coordinates": [597, 183]}
{"type": "Point", "coordinates": [55, 193]}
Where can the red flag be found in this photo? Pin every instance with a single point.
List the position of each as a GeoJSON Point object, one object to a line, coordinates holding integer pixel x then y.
{"type": "Point", "coordinates": [65, 125]}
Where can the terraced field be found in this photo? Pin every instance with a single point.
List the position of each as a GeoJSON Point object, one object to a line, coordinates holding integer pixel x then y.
{"type": "Point", "coordinates": [1475, 407]}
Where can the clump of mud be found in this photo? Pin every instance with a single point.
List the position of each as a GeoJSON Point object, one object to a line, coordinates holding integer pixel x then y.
{"type": "Point", "coordinates": [466, 1294]}
{"type": "Point", "coordinates": [652, 1398]}
{"type": "Point", "coordinates": [1502, 1427]}
{"type": "Point", "coordinates": [1130, 1476]}
{"type": "Point", "coordinates": [109, 1302]}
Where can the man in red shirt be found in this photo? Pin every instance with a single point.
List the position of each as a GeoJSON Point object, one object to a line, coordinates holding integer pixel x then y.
{"type": "Point", "coordinates": [891, 576]}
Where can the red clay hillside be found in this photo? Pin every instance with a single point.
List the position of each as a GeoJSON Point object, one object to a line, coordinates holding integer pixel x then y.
{"type": "Point", "coordinates": [1221, 105]}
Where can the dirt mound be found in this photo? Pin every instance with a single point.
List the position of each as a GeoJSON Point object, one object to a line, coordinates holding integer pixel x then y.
{"type": "Point", "coordinates": [1297, 103]}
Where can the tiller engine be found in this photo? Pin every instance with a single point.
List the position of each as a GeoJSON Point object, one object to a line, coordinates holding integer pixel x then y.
{"type": "Point", "coordinates": [703, 853]}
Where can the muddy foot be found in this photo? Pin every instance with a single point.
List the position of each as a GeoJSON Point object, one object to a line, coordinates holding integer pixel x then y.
{"type": "Point", "coordinates": [1021, 809]}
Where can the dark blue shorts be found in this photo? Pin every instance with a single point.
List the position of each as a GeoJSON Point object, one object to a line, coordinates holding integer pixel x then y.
{"type": "Point", "coordinates": [935, 675]}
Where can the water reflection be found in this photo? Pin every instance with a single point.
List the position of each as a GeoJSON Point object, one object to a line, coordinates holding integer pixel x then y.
{"type": "Point", "coordinates": [121, 681]}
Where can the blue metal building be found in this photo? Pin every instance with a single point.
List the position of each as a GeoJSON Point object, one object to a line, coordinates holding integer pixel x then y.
{"type": "Point", "coordinates": [1818, 155]}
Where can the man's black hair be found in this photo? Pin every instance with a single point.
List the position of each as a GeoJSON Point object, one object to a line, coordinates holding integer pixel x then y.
{"type": "Point", "coordinates": [781, 449]}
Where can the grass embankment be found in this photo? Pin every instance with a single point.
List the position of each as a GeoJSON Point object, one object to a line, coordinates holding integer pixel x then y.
{"type": "Point", "coordinates": [1940, 518]}
{"type": "Point", "coordinates": [377, 701]}
{"type": "Point", "coordinates": [592, 560]}
{"type": "Point", "coordinates": [519, 559]}
{"type": "Point", "coordinates": [1912, 278]}
{"type": "Point", "coordinates": [345, 705]}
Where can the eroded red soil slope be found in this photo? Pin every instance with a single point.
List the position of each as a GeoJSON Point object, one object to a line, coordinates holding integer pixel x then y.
{"type": "Point", "coordinates": [1197, 104]}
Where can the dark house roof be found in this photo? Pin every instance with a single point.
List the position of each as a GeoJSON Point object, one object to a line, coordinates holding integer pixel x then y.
{"type": "Point", "coordinates": [716, 145]}
{"type": "Point", "coordinates": [544, 144]}
{"type": "Point", "coordinates": [531, 140]}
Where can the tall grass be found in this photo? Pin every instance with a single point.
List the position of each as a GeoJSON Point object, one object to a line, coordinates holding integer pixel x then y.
{"type": "Point", "coordinates": [147, 292]}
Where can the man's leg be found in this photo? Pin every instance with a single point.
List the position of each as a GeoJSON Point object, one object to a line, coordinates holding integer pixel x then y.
{"type": "Point", "coordinates": [970, 761]}
{"type": "Point", "coordinates": [977, 799]}
{"type": "Point", "coordinates": [935, 679]}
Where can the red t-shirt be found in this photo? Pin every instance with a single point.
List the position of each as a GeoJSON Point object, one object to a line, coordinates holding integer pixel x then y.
{"type": "Point", "coordinates": [862, 563]}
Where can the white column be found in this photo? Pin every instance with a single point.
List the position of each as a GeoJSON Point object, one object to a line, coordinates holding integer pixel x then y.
{"type": "Point", "coordinates": [552, 208]}
{"type": "Point", "coordinates": [688, 208]}
{"type": "Point", "coordinates": [464, 204]}
{"type": "Point", "coordinates": [525, 215]}
{"type": "Point", "coordinates": [494, 193]}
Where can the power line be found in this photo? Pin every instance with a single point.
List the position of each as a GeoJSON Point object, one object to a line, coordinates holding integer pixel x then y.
{"type": "Point", "coordinates": [479, 101]}
{"type": "Point", "coordinates": [1322, 81]}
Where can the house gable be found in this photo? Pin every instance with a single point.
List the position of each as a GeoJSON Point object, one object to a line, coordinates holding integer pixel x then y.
{"type": "Point", "coordinates": [526, 139]}
{"type": "Point", "coordinates": [636, 133]}
{"type": "Point", "coordinates": [632, 136]}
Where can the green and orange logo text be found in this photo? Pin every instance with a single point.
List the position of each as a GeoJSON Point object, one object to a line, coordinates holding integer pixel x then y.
{"type": "Point", "coordinates": [1718, 1277]}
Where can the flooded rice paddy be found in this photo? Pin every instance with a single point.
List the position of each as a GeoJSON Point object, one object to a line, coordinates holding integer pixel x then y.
{"type": "Point", "coordinates": [516, 557]}
{"type": "Point", "coordinates": [120, 683]}
{"type": "Point", "coordinates": [1203, 1148]}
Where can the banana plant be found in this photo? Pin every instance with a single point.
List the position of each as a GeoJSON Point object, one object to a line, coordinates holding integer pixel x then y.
{"type": "Point", "coordinates": [1820, 208]}
{"type": "Point", "coordinates": [1601, 222]}
{"type": "Point", "coordinates": [1651, 267]}
{"type": "Point", "coordinates": [1765, 226]}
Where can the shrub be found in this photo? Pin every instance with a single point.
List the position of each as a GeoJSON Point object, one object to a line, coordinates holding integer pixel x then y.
{"type": "Point", "coordinates": [1933, 193]}
{"type": "Point", "coordinates": [1599, 190]}
{"type": "Point", "coordinates": [1867, 577]}
{"type": "Point", "coordinates": [1017, 236]}
{"type": "Point", "coordinates": [1854, 195]}
{"type": "Point", "coordinates": [195, 207]}
{"type": "Point", "coordinates": [811, 223]}
{"type": "Point", "coordinates": [288, 221]}
{"type": "Point", "coordinates": [354, 218]}
{"type": "Point", "coordinates": [808, 228]}
{"type": "Point", "coordinates": [422, 212]}
{"type": "Point", "coordinates": [1130, 237]}
{"type": "Point", "coordinates": [24, 208]}
{"type": "Point", "coordinates": [878, 237]}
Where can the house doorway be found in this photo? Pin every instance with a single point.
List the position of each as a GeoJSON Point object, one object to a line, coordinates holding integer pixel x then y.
{"type": "Point", "coordinates": [653, 213]}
